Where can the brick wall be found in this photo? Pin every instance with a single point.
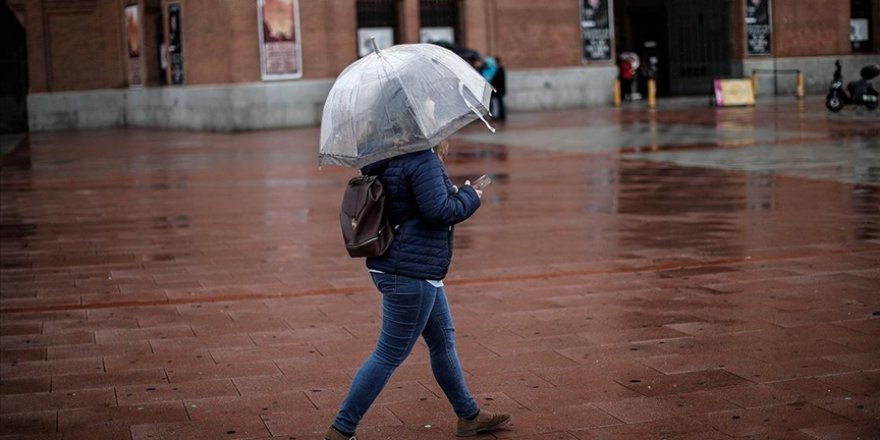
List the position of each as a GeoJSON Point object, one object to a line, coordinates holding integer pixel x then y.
{"type": "Point", "coordinates": [79, 44]}
{"type": "Point", "coordinates": [811, 27]}
{"type": "Point", "coordinates": [530, 34]}
{"type": "Point", "coordinates": [73, 45]}
{"type": "Point", "coordinates": [524, 33]}
{"type": "Point", "coordinates": [329, 37]}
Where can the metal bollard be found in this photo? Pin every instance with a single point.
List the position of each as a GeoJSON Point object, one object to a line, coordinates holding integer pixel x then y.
{"type": "Point", "coordinates": [800, 85]}
{"type": "Point", "coordinates": [755, 84]}
{"type": "Point", "coordinates": [652, 93]}
{"type": "Point", "coordinates": [616, 96]}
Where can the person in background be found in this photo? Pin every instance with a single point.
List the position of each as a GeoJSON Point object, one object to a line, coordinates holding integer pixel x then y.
{"type": "Point", "coordinates": [499, 82]}
{"type": "Point", "coordinates": [476, 62]}
{"type": "Point", "coordinates": [626, 76]}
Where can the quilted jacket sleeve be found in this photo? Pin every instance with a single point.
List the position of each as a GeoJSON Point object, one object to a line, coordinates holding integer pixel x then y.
{"type": "Point", "coordinates": [437, 202]}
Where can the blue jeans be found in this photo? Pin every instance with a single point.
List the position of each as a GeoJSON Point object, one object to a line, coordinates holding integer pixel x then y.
{"type": "Point", "coordinates": [410, 307]}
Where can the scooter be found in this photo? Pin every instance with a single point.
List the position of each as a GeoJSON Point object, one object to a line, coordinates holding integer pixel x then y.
{"type": "Point", "coordinates": [859, 92]}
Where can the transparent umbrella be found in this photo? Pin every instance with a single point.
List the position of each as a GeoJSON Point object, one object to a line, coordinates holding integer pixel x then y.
{"type": "Point", "coordinates": [399, 100]}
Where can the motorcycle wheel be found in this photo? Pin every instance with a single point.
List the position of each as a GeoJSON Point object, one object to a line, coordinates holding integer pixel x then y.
{"type": "Point", "coordinates": [834, 103]}
{"type": "Point", "coordinates": [873, 104]}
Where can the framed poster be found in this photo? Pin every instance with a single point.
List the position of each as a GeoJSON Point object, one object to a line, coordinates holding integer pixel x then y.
{"type": "Point", "coordinates": [734, 92]}
{"type": "Point", "coordinates": [175, 44]}
{"type": "Point", "coordinates": [437, 34]}
{"type": "Point", "coordinates": [134, 44]}
{"type": "Point", "coordinates": [384, 39]}
{"type": "Point", "coordinates": [858, 29]}
{"type": "Point", "coordinates": [280, 41]}
{"type": "Point", "coordinates": [596, 20]}
{"type": "Point", "coordinates": [758, 27]}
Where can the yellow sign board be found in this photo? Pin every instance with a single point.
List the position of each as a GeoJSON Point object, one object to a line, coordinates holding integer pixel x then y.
{"type": "Point", "coordinates": [732, 92]}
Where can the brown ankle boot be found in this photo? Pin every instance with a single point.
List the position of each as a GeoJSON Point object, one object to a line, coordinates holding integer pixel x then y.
{"type": "Point", "coordinates": [484, 422]}
{"type": "Point", "coordinates": [333, 434]}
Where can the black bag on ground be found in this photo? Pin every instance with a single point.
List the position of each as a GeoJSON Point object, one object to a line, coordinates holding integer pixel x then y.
{"type": "Point", "coordinates": [365, 226]}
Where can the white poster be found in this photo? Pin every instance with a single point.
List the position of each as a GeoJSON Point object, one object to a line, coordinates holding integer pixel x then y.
{"type": "Point", "coordinates": [437, 34]}
{"type": "Point", "coordinates": [858, 29]}
{"type": "Point", "coordinates": [384, 39]}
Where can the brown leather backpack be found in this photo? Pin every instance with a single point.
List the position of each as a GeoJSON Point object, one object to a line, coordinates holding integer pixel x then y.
{"type": "Point", "coordinates": [365, 226]}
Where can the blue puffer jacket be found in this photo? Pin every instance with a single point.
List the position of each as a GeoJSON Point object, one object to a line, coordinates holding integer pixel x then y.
{"type": "Point", "coordinates": [419, 193]}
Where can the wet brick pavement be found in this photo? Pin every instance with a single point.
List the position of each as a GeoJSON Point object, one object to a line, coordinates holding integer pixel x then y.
{"type": "Point", "coordinates": [690, 273]}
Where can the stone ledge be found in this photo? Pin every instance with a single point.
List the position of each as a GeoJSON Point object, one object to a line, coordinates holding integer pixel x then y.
{"type": "Point", "coordinates": [256, 106]}
{"type": "Point", "coordinates": [818, 71]}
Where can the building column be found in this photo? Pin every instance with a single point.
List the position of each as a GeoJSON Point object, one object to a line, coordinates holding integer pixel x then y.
{"type": "Point", "coordinates": [875, 20]}
{"type": "Point", "coordinates": [36, 54]}
{"type": "Point", "coordinates": [476, 22]}
{"type": "Point", "coordinates": [409, 21]}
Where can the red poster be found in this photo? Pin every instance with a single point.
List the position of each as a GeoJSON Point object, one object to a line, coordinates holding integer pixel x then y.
{"type": "Point", "coordinates": [134, 44]}
{"type": "Point", "coordinates": [280, 48]}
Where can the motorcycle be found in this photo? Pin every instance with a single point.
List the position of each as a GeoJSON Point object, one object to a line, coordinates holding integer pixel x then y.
{"type": "Point", "coordinates": [859, 92]}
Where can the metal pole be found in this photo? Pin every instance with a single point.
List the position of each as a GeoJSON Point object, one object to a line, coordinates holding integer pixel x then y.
{"type": "Point", "coordinates": [775, 79]}
{"type": "Point", "coordinates": [754, 83]}
{"type": "Point", "coordinates": [800, 85]}
{"type": "Point", "coordinates": [616, 97]}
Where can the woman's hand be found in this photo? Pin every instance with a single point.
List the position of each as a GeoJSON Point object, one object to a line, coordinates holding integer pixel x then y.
{"type": "Point", "coordinates": [478, 191]}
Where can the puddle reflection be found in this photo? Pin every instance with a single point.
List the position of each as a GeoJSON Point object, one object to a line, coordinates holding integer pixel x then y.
{"type": "Point", "coordinates": [171, 222]}
{"type": "Point", "coordinates": [866, 207]}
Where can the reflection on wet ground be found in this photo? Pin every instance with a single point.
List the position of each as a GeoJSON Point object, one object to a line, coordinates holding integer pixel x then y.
{"type": "Point", "coordinates": [853, 160]}
{"type": "Point", "coordinates": [583, 192]}
{"type": "Point", "coordinates": [629, 272]}
{"type": "Point", "coordinates": [609, 138]}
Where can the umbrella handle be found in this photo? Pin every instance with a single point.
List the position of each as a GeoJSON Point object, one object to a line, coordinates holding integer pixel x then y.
{"type": "Point", "coordinates": [473, 109]}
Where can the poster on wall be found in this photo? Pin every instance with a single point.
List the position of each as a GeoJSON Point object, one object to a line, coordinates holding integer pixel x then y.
{"type": "Point", "coordinates": [280, 42]}
{"type": "Point", "coordinates": [175, 43]}
{"type": "Point", "coordinates": [858, 32]}
{"type": "Point", "coordinates": [758, 27]}
{"type": "Point", "coordinates": [134, 44]}
{"type": "Point", "coordinates": [596, 29]}
{"type": "Point", "coordinates": [384, 39]}
{"type": "Point", "coordinates": [437, 34]}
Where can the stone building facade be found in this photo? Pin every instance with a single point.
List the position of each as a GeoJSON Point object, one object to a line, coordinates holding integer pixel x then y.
{"type": "Point", "coordinates": [81, 72]}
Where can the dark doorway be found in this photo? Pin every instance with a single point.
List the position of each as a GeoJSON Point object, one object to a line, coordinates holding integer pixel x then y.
{"type": "Point", "coordinates": [685, 44]}
{"type": "Point", "coordinates": [699, 42]}
{"type": "Point", "coordinates": [13, 73]}
{"type": "Point", "coordinates": [650, 43]}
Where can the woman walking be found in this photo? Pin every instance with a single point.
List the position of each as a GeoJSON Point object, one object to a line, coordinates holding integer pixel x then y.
{"type": "Point", "coordinates": [426, 205]}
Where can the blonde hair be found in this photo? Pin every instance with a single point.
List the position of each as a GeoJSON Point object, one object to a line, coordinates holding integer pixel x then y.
{"type": "Point", "coordinates": [442, 150]}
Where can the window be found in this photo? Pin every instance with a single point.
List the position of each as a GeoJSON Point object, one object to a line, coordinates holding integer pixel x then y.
{"type": "Point", "coordinates": [376, 19]}
{"type": "Point", "coordinates": [439, 21]}
{"type": "Point", "coordinates": [860, 26]}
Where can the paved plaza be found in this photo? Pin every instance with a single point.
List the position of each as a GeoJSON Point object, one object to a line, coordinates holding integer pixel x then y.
{"type": "Point", "coordinates": [686, 273]}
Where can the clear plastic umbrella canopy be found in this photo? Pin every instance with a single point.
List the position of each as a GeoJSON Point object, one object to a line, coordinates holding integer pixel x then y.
{"type": "Point", "coordinates": [399, 100]}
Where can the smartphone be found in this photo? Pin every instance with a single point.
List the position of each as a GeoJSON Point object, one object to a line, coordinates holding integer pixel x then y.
{"type": "Point", "coordinates": [481, 182]}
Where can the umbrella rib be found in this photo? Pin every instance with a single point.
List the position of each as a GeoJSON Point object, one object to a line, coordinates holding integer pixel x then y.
{"type": "Point", "coordinates": [357, 95]}
{"type": "Point", "coordinates": [409, 98]}
{"type": "Point", "coordinates": [409, 107]}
